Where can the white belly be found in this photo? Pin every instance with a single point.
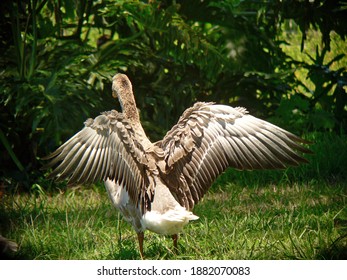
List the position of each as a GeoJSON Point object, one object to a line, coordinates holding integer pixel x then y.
{"type": "Point", "coordinates": [168, 223]}
{"type": "Point", "coordinates": [121, 200]}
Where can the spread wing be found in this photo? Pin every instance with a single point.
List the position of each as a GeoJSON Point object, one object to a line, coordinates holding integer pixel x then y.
{"type": "Point", "coordinates": [209, 138]}
{"type": "Point", "coordinates": [105, 148]}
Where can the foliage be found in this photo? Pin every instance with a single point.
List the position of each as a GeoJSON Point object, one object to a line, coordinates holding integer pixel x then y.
{"type": "Point", "coordinates": [59, 57]}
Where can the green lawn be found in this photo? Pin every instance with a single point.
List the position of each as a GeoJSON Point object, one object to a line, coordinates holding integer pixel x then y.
{"type": "Point", "coordinates": [300, 213]}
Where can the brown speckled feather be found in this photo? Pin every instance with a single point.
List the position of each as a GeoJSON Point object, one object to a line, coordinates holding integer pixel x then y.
{"type": "Point", "coordinates": [209, 138]}
{"type": "Point", "coordinates": [107, 147]}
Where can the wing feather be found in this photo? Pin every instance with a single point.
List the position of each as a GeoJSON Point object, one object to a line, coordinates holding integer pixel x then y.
{"type": "Point", "coordinates": [222, 137]}
{"type": "Point", "coordinates": [106, 148]}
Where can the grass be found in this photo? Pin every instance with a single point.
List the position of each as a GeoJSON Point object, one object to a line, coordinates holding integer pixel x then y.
{"type": "Point", "coordinates": [300, 213]}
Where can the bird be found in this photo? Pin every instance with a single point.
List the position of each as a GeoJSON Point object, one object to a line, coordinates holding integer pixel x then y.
{"type": "Point", "coordinates": [155, 186]}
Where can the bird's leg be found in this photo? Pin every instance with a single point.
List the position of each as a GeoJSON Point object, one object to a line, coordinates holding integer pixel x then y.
{"type": "Point", "coordinates": [175, 238]}
{"type": "Point", "coordinates": [140, 237]}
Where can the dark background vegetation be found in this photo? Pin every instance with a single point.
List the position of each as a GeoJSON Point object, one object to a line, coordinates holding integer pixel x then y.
{"type": "Point", "coordinates": [283, 60]}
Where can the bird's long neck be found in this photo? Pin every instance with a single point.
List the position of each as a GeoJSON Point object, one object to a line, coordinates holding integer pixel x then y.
{"type": "Point", "coordinates": [122, 89]}
{"type": "Point", "coordinates": [129, 108]}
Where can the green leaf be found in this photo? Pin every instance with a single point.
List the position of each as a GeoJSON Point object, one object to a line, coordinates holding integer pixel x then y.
{"type": "Point", "coordinates": [10, 151]}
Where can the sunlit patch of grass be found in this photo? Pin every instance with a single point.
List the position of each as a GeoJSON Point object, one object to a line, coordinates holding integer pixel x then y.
{"type": "Point", "coordinates": [276, 222]}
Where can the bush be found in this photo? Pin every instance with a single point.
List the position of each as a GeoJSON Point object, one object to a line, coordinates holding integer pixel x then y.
{"type": "Point", "coordinates": [59, 58]}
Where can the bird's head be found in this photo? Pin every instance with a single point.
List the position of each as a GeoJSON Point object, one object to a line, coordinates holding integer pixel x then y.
{"type": "Point", "coordinates": [121, 86]}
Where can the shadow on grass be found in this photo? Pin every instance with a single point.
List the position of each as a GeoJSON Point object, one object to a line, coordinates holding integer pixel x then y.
{"type": "Point", "coordinates": [125, 251]}
{"type": "Point", "coordinates": [336, 251]}
{"type": "Point", "coordinates": [338, 248]}
{"type": "Point", "coordinates": [155, 248]}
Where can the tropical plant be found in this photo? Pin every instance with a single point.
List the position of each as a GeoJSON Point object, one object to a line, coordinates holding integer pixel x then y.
{"type": "Point", "coordinates": [59, 57]}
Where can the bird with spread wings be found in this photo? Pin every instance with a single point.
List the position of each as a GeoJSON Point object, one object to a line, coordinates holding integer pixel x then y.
{"type": "Point", "coordinates": [156, 185]}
